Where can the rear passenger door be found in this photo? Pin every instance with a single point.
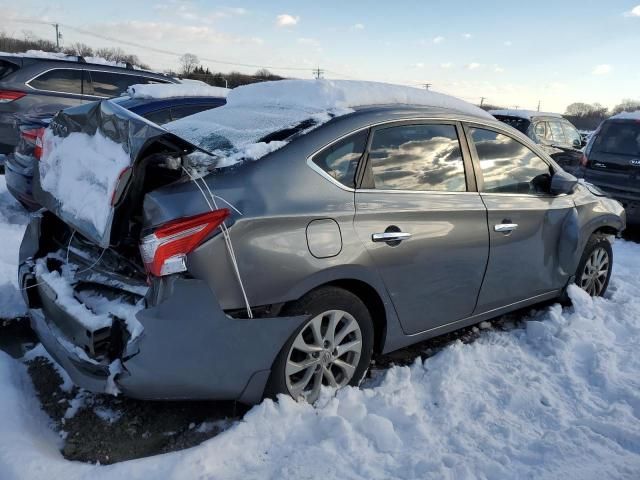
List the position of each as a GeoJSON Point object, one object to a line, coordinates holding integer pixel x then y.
{"type": "Point", "coordinates": [105, 84]}
{"type": "Point", "coordinates": [58, 88]}
{"type": "Point", "coordinates": [525, 219]}
{"type": "Point", "coordinates": [425, 227]}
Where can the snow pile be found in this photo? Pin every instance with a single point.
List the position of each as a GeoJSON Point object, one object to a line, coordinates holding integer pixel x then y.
{"type": "Point", "coordinates": [627, 116]}
{"type": "Point", "coordinates": [526, 114]}
{"type": "Point", "coordinates": [254, 111]}
{"type": "Point", "coordinates": [171, 90]}
{"type": "Point", "coordinates": [559, 398]}
{"type": "Point", "coordinates": [13, 219]}
{"type": "Point", "coordinates": [81, 171]}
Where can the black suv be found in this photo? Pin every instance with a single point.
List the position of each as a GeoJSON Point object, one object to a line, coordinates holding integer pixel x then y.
{"type": "Point", "coordinates": [556, 135]}
{"type": "Point", "coordinates": [612, 161]}
{"type": "Point", "coordinates": [33, 86]}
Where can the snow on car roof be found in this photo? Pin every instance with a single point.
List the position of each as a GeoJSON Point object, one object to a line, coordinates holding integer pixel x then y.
{"type": "Point", "coordinates": [526, 114]}
{"type": "Point", "coordinates": [627, 116]}
{"type": "Point", "coordinates": [69, 58]}
{"type": "Point", "coordinates": [254, 111]}
{"type": "Point", "coordinates": [171, 90]}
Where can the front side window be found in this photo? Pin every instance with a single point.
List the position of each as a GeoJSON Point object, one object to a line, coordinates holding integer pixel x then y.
{"type": "Point", "coordinates": [557, 134]}
{"type": "Point", "coordinates": [340, 160]}
{"type": "Point", "coordinates": [59, 80]}
{"type": "Point", "coordinates": [109, 84]}
{"type": "Point", "coordinates": [571, 134]}
{"type": "Point", "coordinates": [417, 157]}
{"type": "Point", "coordinates": [508, 166]}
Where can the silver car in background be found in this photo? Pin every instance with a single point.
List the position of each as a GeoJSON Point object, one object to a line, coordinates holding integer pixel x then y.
{"type": "Point", "coordinates": [353, 233]}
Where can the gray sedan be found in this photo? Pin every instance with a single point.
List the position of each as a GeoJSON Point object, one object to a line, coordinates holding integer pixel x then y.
{"type": "Point", "coordinates": [369, 232]}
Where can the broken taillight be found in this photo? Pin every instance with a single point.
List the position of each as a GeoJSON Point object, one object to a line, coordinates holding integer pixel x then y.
{"type": "Point", "coordinates": [165, 250]}
{"type": "Point", "coordinates": [34, 137]}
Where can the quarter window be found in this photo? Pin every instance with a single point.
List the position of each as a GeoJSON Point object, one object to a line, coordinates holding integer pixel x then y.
{"type": "Point", "coordinates": [340, 160]}
{"type": "Point", "coordinates": [417, 157]}
{"type": "Point", "coordinates": [59, 80]}
{"type": "Point", "coordinates": [541, 131]}
{"type": "Point", "coordinates": [508, 166]}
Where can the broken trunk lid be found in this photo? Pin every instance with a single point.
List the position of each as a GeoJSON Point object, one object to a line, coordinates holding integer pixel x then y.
{"type": "Point", "coordinates": [89, 157]}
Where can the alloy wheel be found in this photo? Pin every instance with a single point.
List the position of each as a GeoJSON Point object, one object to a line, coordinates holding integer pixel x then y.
{"type": "Point", "coordinates": [596, 269]}
{"type": "Point", "coordinates": [325, 352]}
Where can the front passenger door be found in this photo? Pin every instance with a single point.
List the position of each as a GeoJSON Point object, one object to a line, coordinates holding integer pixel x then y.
{"type": "Point", "coordinates": [525, 220]}
{"type": "Point", "coordinates": [421, 221]}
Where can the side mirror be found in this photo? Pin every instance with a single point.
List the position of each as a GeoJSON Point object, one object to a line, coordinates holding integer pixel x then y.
{"type": "Point", "coordinates": [563, 182]}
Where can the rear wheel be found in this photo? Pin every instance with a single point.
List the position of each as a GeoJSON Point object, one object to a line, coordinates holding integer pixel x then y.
{"type": "Point", "coordinates": [332, 348]}
{"type": "Point", "coordinates": [594, 269]}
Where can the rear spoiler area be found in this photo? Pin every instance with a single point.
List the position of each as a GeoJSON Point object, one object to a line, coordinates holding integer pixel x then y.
{"type": "Point", "coordinates": [90, 161]}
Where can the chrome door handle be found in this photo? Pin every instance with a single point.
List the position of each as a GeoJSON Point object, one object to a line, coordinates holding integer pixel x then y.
{"type": "Point", "coordinates": [505, 227]}
{"type": "Point", "coordinates": [390, 236]}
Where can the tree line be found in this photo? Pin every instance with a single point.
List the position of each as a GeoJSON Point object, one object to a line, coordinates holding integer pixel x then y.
{"type": "Point", "coordinates": [587, 116]}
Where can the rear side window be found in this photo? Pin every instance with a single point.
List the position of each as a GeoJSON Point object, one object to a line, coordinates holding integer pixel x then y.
{"type": "Point", "coordinates": [508, 166]}
{"type": "Point", "coordinates": [7, 68]}
{"type": "Point", "coordinates": [621, 138]}
{"type": "Point", "coordinates": [59, 80]}
{"type": "Point", "coordinates": [340, 160]}
{"type": "Point", "coordinates": [541, 130]}
{"type": "Point", "coordinates": [150, 80]}
{"type": "Point", "coordinates": [109, 84]}
{"type": "Point", "coordinates": [417, 157]}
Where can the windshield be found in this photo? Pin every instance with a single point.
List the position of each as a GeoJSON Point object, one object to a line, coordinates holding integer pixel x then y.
{"type": "Point", "coordinates": [621, 138]}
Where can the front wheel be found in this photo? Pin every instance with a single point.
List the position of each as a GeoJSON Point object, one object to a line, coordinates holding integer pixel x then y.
{"type": "Point", "coordinates": [594, 269]}
{"type": "Point", "coordinates": [332, 348]}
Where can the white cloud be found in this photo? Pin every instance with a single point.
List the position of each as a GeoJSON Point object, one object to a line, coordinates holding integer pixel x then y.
{"type": "Point", "coordinates": [634, 12]}
{"type": "Point", "coordinates": [418, 65]}
{"type": "Point", "coordinates": [286, 20]}
{"type": "Point", "coordinates": [189, 12]}
{"type": "Point", "coordinates": [472, 66]}
{"type": "Point", "coordinates": [602, 69]}
{"type": "Point", "coordinates": [508, 43]}
{"type": "Point", "coordinates": [446, 65]}
{"type": "Point", "coordinates": [308, 41]}
{"type": "Point", "coordinates": [466, 36]}
{"type": "Point", "coordinates": [438, 39]}
{"type": "Point", "coordinates": [498, 69]}
{"type": "Point", "coordinates": [357, 26]}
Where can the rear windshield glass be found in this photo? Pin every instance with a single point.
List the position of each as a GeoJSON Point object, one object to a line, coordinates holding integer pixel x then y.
{"type": "Point", "coordinates": [521, 124]}
{"type": "Point", "coordinates": [622, 138]}
{"type": "Point", "coordinates": [7, 68]}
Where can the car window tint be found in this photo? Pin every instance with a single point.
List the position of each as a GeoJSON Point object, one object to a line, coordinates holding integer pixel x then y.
{"type": "Point", "coordinates": [622, 138]}
{"type": "Point", "coordinates": [150, 80]}
{"type": "Point", "coordinates": [109, 84]}
{"type": "Point", "coordinates": [340, 160]}
{"type": "Point", "coordinates": [186, 110]}
{"type": "Point", "coordinates": [557, 134]}
{"type": "Point", "coordinates": [159, 117]}
{"type": "Point", "coordinates": [571, 134]}
{"type": "Point", "coordinates": [59, 80]}
{"type": "Point", "coordinates": [508, 166]}
{"type": "Point", "coordinates": [417, 157]}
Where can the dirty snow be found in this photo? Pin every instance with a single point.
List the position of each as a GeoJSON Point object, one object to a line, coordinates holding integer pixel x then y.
{"type": "Point", "coordinates": [81, 172]}
{"type": "Point", "coordinates": [526, 114]}
{"type": "Point", "coordinates": [13, 219]}
{"type": "Point", "coordinates": [171, 90]}
{"type": "Point", "coordinates": [257, 110]}
{"type": "Point", "coordinates": [557, 398]}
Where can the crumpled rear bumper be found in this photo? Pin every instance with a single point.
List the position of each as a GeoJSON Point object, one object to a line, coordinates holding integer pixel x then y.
{"type": "Point", "coordinates": [189, 348]}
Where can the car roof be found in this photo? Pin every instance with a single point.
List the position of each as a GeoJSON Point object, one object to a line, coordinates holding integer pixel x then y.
{"type": "Point", "coordinates": [525, 114]}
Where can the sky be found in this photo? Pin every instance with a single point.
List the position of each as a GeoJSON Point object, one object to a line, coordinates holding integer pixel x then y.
{"type": "Point", "coordinates": [513, 53]}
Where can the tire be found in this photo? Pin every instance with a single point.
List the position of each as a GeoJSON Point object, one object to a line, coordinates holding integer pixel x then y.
{"type": "Point", "coordinates": [591, 275]}
{"type": "Point", "coordinates": [325, 306]}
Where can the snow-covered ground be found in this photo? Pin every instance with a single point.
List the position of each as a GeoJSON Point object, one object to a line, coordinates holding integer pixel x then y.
{"type": "Point", "coordinates": [557, 398]}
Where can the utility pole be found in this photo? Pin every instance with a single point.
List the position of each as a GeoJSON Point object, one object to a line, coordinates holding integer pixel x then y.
{"type": "Point", "coordinates": [58, 35]}
{"type": "Point", "coordinates": [482, 99]}
{"type": "Point", "coordinates": [318, 73]}
{"type": "Point", "coordinates": [538, 105]}
{"type": "Point", "coordinates": [427, 86]}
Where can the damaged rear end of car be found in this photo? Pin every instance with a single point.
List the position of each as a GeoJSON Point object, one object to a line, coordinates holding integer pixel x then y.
{"type": "Point", "coordinates": [110, 289]}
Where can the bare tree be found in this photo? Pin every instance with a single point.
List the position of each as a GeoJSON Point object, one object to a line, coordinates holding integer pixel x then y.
{"type": "Point", "coordinates": [188, 63]}
{"type": "Point", "coordinates": [627, 105]}
{"type": "Point", "coordinates": [79, 48]}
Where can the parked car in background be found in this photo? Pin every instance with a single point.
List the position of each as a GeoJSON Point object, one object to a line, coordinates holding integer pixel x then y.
{"type": "Point", "coordinates": [338, 221]}
{"type": "Point", "coordinates": [555, 135]}
{"type": "Point", "coordinates": [612, 161]}
{"type": "Point", "coordinates": [19, 166]}
{"type": "Point", "coordinates": [36, 85]}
